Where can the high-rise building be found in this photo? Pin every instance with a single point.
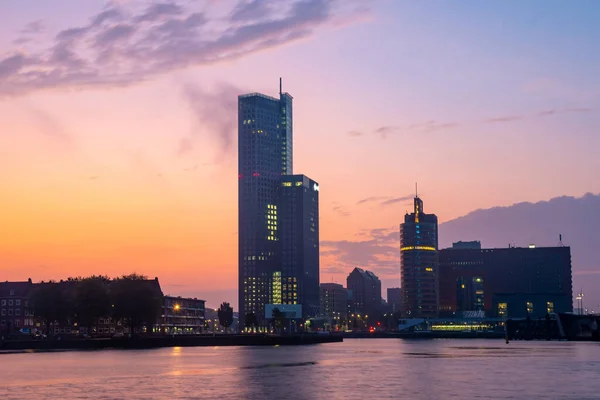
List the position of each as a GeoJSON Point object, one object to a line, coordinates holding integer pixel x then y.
{"type": "Point", "coordinates": [419, 263]}
{"type": "Point", "coordinates": [299, 238]}
{"type": "Point", "coordinates": [366, 293]}
{"type": "Point", "coordinates": [394, 299]}
{"type": "Point", "coordinates": [510, 282]}
{"type": "Point", "coordinates": [278, 259]}
{"type": "Point", "coordinates": [334, 301]}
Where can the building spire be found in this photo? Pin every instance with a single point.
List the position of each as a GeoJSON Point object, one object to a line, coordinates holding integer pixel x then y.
{"type": "Point", "coordinates": [416, 190]}
{"type": "Point", "coordinates": [280, 86]}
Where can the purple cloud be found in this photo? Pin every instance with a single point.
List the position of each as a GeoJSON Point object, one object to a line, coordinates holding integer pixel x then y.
{"type": "Point", "coordinates": [214, 111]}
{"type": "Point", "coordinates": [380, 252]}
{"type": "Point", "coordinates": [120, 46]}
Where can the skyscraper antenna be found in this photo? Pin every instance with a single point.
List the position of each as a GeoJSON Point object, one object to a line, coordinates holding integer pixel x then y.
{"type": "Point", "coordinates": [416, 190]}
{"type": "Point", "coordinates": [280, 86]}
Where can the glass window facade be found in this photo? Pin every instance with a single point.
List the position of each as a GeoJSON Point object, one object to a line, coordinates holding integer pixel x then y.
{"type": "Point", "coordinates": [278, 246]}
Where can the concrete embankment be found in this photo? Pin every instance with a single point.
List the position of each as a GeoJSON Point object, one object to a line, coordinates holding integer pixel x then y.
{"type": "Point", "coordinates": [425, 335]}
{"type": "Point", "coordinates": [168, 341]}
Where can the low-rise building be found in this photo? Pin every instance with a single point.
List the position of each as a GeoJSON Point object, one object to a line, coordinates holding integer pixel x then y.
{"type": "Point", "coordinates": [16, 313]}
{"type": "Point", "coordinates": [182, 315]}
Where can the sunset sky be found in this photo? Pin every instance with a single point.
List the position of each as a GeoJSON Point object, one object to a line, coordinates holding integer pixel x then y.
{"type": "Point", "coordinates": [118, 123]}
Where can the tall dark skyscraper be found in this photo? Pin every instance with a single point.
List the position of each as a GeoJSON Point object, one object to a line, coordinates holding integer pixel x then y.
{"type": "Point", "coordinates": [419, 263]}
{"type": "Point", "coordinates": [299, 216]}
{"type": "Point", "coordinates": [277, 220]}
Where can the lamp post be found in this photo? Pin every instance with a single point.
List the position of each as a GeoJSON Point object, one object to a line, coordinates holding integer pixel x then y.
{"type": "Point", "coordinates": [579, 299]}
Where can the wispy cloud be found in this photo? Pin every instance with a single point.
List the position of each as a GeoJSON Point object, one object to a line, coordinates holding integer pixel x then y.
{"type": "Point", "coordinates": [34, 27]}
{"type": "Point", "coordinates": [555, 111]}
{"type": "Point", "coordinates": [122, 45]}
{"type": "Point", "coordinates": [396, 200]}
{"type": "Point", "coordinates": [384, 200]}
{"type": "Point", "coordinates": [341, 211]}
{"type": "Point", "coordinates": [379, 252]}
{"type": "Point", "coordinates": [51, 127]}
{"type": "Point", "coordinates": [385, 131]}
{"type": "Point", "coordinates": [433, 126]}
{"type": "Point", "coordinates": [214, 113]}
{"type": "Point", "coordinates": [371, 199]}
{"type": "Point", "coordinates": [355, 133]}
{"type": "Point", "coordinates": [507, 118]}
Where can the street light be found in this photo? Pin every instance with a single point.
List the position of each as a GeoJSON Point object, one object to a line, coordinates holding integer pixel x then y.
{"type": "Point", "coordinates": [579, 299]}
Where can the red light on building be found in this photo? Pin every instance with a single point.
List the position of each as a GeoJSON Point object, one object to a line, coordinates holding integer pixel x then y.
{"type": "Point", "coordinates": [378, 323]}
{"type": "Point", "coordinates": [240, 175]}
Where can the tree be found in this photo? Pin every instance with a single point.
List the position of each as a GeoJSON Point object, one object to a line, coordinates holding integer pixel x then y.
{"type": "Point", "coordinates": [278, 318]}
{"type": "Point", "coordinates": [51, 303]}
{"type": "Point", "coordinates": [250, 320]}
{"type": "Point", "coordinates": [137, 300]}
{"type": "Point", "coordinates": [225, 314]}
{"type": "Point", "coordinates": [92, 300]}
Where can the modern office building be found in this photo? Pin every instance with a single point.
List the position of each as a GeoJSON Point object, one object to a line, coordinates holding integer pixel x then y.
{"type": "Point", "coordinates": [366, 293]}
{"type": "Point", "coordinates": [394, 299]}
{"type": "Point", "coordinates": [182, 316]}
{"type": "Point", "coordinates": [278, 262]}
{"type": "Point", "coordinates": [509, 282]}
{"type": "Point", "coordinates": [334, 301]}
{"type": "Point", "coordinates": [299, 239]}
{"type": "Point", "coordinates": [419, 263]}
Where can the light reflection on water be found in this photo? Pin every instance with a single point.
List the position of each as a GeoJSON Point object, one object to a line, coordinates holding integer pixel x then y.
{"type": "Point", "coordinates": [357, 368]}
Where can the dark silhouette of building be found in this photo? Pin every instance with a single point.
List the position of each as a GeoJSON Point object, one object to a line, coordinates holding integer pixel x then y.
{"type": "Point", "coordinates": [16, 312]}
{"type": "Point", "coordinates": [183, 316]}
{"type": "Point", "coordinates": [299, 238]}
{"type": "Point", "coordinates": [394, 299]}
{"type": "Point", "coordinates": [334, 301]}
{"type": "Point", "coordinates": [509, 282]}
{"type": "Point", "coordinates": [474, 244]}
{"type": "Point", "coordinates": [278, 262]}
{"type": "Point", "coordinates": [366, 293]}
{"type": "Point", "coordinates": [419, 263]}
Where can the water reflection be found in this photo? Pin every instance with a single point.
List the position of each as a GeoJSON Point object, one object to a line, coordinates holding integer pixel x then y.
{"type": "Point", "coordinates": [385, 368]}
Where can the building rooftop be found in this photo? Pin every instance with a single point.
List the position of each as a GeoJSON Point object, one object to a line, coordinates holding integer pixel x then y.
{"type": "Point", "coordinates": [18, 289]}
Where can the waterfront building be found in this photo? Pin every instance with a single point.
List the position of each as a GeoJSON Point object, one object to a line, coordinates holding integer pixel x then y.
{"type": "Point", "coordinates": [182, 315]}
{"type": "Point", "coordinates": [278, 231]}
{"type": "Point", "coordinates": [394, 299]}
{"type": "Point", "coordinates": [474, 244]}
{"type": "Point", "coordinates": [299, 238]}
{"type": "Point", "coordinates": [16, 312]}
{"type": "Point", "coordinates": [334, 301]}
{"type": "Point", "coordinates": [506, 282]}
{"type": "Point", "coordinates": [366, 293]}
{"type": "Point", "coordinates": [419, 263]}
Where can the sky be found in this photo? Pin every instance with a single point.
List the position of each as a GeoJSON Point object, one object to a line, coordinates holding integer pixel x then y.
{"type": "Point", "coordinates": [118, 148]}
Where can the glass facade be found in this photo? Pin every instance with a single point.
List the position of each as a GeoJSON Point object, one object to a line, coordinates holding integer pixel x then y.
{"type": "Point", "coordinates": [300, 243]}
{"type": "Point", "coordinates": [271, 220]}
{"type": "Point", "coordinates": [512, 282]}
{"type": "Point", "coordinates": [419, 263]}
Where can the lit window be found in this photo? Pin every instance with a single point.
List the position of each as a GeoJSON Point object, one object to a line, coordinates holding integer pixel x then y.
{"type": "Point", "coordinates": [529, 307]}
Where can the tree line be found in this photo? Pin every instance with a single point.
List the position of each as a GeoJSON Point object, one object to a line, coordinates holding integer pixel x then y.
{"type": "Point", "coordinates": [132, 300]}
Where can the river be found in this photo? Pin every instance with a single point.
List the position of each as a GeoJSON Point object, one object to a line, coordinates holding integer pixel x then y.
{"type": "Point", "coordinates": [355, 369]}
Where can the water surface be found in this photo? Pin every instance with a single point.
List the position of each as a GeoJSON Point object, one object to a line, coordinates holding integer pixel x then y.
{"type": "Point", "coordinates": [355, 369]}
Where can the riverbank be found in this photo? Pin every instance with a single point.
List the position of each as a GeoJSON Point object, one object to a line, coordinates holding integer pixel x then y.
{"type": "Point", "coordinates": [168, 341]}
{"type": "Point", "coordinates": [424, 335]}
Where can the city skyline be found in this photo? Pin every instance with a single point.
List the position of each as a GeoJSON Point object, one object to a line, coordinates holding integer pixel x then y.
{"type": "Point", "coordinates": [106, 172]}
